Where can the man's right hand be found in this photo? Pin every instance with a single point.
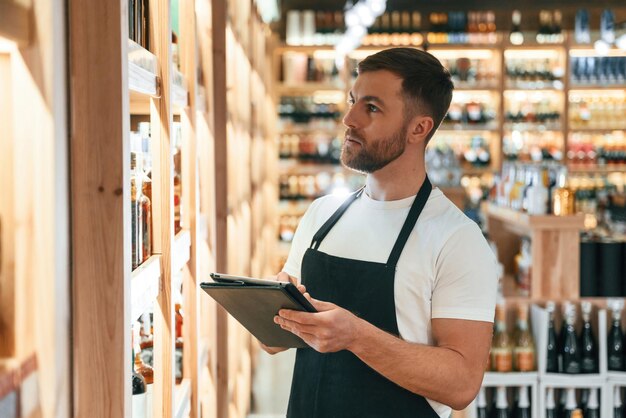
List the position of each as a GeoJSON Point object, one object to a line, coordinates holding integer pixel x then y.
{"type": "Point", "coordinates": [280, 277]}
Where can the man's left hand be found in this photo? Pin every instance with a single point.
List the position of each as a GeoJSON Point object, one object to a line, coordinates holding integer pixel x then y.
{"type": "Point", "coordinates": [330, 329]}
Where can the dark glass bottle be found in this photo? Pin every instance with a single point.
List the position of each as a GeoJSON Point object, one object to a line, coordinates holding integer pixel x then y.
{"type": "Point", "coordinates": [571, 349]}
{"type": "Point", "coordinates": [615, 343]}
{"type": "Point", "coordinates": [570, 403]}
{"type": "Point", "coordinates": [139, 392]}
{"type": "Point", "coordinates": [481, 404]}
{"type": "Point", "coordinates": [502, 404]}
{"type": "Point", "coordinates": [592, 409]}
{"type": "Point", "coordinates": [552, 365]}
{"type": "Point", "coordinates": [589, 352]}
{"type": "Point", "coordinates": [550, 405]}
{"type": "Point", "coordinates": [618, 409]}
{"type": "Point", "coordinates": [523, 403]}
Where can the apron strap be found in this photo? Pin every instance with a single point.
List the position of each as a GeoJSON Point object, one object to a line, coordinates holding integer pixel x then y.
{"type": "Point", "coordinates": [323, 231]}
{"type": "Point", "coordinates": [409, 223]}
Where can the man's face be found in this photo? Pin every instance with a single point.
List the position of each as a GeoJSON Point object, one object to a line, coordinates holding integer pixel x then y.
{"type": "Point", "coordinates": [376, 126]}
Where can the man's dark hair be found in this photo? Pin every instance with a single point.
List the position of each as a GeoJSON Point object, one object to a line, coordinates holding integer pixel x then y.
{"type": "Point", "coordinates": [426, 84]}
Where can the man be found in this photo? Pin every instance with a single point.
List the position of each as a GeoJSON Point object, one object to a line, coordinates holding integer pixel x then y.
{"type": "Point", "coordinates": [404, 283]}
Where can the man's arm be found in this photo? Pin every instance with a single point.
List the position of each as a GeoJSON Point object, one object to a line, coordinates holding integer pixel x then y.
{"type": "Point", "coordinates": [449, 372]}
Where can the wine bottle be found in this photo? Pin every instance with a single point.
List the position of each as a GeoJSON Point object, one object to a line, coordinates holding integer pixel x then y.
{"type": "Point", "coordinates": [593, 408]}
{"type": "Point", "coordinates": [570, 403]}
{"type": "Point", "coordinates": [571, 349]}
{"type": "Point", "coordinates": [139, 401]}
{"type": "Point", "coordinates": [523, 403]}
{"type": "Point", "coordinates": [501, 349]}
{"type": "Point", "coordinates": [552, 364]}
{"type": "Point", "coordinates": [618, 411]}
{"type": "Point", "coordinates": [481, 404]}
{"type": "Point", "coordinates": [502, 404]}
{"type": "Point", "coordinates": [550, 405]}
{"type": "Point", "coordinates": [589, 354]}
{"type": "Point", "coordinates": [615, 339]}
{"type": "Point", "coordinates": [524, 351]}
{"type": "Point", "coordinates": [516, 37]}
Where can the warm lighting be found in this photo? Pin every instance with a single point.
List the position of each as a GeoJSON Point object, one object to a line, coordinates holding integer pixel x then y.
{"type": "Point", "coordinates": [592, 53]}
{"type": "Point", "coordinates": [621, 42]}
{"type": "Point", "coordinates": [329, 96]}
{"type": "Point", "coordinates": [477, 54]}
{"type": "Point", "coordinates": [324, 54]}
{"type": "Point", "coordinates": [530, 53]}
{"type": "Point", "coordinates": [7, 46]}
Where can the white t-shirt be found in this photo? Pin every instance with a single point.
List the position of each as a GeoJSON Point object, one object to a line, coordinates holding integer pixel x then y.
{"type": "Point", "coordinates": [446, 269]}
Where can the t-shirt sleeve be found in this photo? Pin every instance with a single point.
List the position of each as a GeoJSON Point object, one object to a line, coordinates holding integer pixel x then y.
{"type": "Point", "coordinates": [466, 277]}
{"type": "Point", "coordinates": [301, 241]}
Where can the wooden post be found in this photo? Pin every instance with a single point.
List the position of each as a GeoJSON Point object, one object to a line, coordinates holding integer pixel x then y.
{"type": "Point", "coordinates": [190, 201]}
{"type": "Point", "coordinates": [219, 108]}
{"type": "Point", "coordinates": [163, 207]}
{"type": "Point", "coordinates": [100, 170]}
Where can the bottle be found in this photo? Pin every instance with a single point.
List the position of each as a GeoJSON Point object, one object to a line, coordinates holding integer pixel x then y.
{"type": "Point", "coordinates": [563, 196]}
{"type": "Point", "coordinates": [537, 195]}
{"type": "Point", "coordinates": [502, 405]}
{"type": "Point", "coordinates": [550, 404]}
{"type": "Point", "coordinates": [593, 408]}
{"type": "Point", "coordinates": [571, 350]}
{"type": "Point", "coordinates": [577, 413]}
{"type": "Point", "coordinates": [516, 37]}
{"type": "Point", "coordinates": [523, 267]}
{"type": "Point", "coordinates": [589, 355]}
{"type": "Point", "coordinates": [570, 403]}
{"type": "Point", "coordinates": [523, 403]}
{"type": "Point", "coordinates": [178, 366]}
{"type": "Point", "coordinates": [146, 343]}
{"type": "Point", "coordinates": [552, 364]}
{"type": "Point", "coordinates": [145, 211]}
{"type": "Point", "coordinates": [481, 404]}
{"type": "Point", "coordinates": [524, 351]}
{"type": "Point", "coordinates": [615, 339]}
{"type": "Point", "coordinates": [501, 349]}
{"type": "Point", "coordinates": [177, 179]}
{"type": "Point", "coordinates": [135, 212]}
{"type": "Point", "coordinates": [139, 401]}
{"type": "Point", "coordinates": [618, 410]}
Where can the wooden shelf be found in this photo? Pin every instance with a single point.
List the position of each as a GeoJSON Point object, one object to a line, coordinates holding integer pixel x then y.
{"type": "Point", "coordinates": [584, 87]}
{"type": "Point", "coordinates": [144, 286]}
{"type": "Point", "coordinates": [182, 399]}
{"type": "Point", "coordinates": [597, 169]}
{"type": "Point", "coordinates": [526, 223]}
{"type": "Point", "coordinates": [15, 22]}
{"type": "Point", "coordinates": [596, 130]}
{"type": "Point", "coordinates": [532, 127]}
{"type": "Point", "coordinates": [181, 250]}
{"type": "Point", "coordinates": [468, 128]}
{"type": "Point", "coordinates": [510, 379]}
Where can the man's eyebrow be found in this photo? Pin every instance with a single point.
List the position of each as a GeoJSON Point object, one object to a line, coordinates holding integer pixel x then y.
{"type": "Point", "coordinates": [375, 99]}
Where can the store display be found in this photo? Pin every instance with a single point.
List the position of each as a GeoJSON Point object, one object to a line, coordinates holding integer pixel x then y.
{"type": "Point", "coordinates": [553, 363]}
{"type": "Point", "coordinates": [523, 268]}
{"type": "Point", "coordinates": [316, 147]}
{"type": "Point", "coordinates": [502, 404]}
{"type": "Point", "coordinates": [550, 404]}
{"type": "Point", "coordinates": [524, 349]}
{"type": "Point", "coordinates": [523, 403]}
{"type": "Point", "coordinates": [563, 197]}
{"type": "Point", "coordinates": [395, 28]}
{"type": "Point", "coordinates": [533, 69]}
{"type": "Point", "coordinates": [581, 27]}
{"type": "Point", "coordinates": [570, 349]}
{"type": "Point", "coordinates": [481, 404]}
{"type": "Point", "coordinates": [597, 109]}
{"type": "Point", "coordinates": [618, 409]}
{"type": "Point", "coordinates": [177, 174]}
{"type": "Point", "coordinates": [597, 70]}
{"type": "Point", "coordinates": [550, 25]}
{"type": "Point", "coordinates": [502, 346]}
{"type": "Point", "coordinates": [470, 109]}
{"type": "Point", "coordinates": [532, 110]}
{"type": "Point", "coordinates": [570, 403]}
{"type": "Point", "coordinates": [592, 406]}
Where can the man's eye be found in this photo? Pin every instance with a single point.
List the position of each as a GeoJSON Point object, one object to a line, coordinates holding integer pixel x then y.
{"type": "Point", "coordinates": [350, 102]}
{"type": "Point", "coordinates": [372, 108]}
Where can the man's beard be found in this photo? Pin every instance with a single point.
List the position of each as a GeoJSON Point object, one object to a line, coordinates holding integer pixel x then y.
{"type": "Point", "coordinates": [372, 156]}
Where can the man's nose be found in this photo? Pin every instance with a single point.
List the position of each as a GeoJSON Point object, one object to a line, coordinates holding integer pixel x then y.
{"type": "Point", "coordinates": [349, 120]}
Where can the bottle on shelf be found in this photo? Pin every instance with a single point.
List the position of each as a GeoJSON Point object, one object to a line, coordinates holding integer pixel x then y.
{"type": "Point", "coordinates": [570, 403]}
{"type": "Point", "coordinates": [516, 37]}
{"type": "Point", "coordinates": [618, 409]}
{"type": "Point", "coordinates": [537, 195]}
{"type": "Point", "coordinates": [145, 211]}
{"type": "Point", "coordinates": [524, 351]}
{"type": "Point", "coordinates": [177, 173]}
{"type": "Point", "coordinates": [592, 409]}
{"type": "Point", "coordinates": [589, 354]}
{"type": "Point", "coordinates": [553, 363]}
{"type": "Point", "coordinates": [571, 350]}
{"type": "Point", "coordinates": [550, 404]}
{"type": "Point", "coordinates": [523, 403]}
{"type": "Point", "coordinates": [615, 343]}
{"type": "Point", "coordinates": [143, 369]}
{"type": "Point", "coordinates": [178, 365]}
{"type": "Point", "coordinates": [146, 344]}
{"type": "Point", "coordinates": [135, 213]}
{"type": "Point", "coordinates": [563, 196]}
{"type": "Point", "coordinates": [523, 268]}
{"type": "Point", "coordinates": [481, 403]}
{"type": "Point", "coordinates": [502, 404]}
{"type": "Point", "coordinates": [501, 348]}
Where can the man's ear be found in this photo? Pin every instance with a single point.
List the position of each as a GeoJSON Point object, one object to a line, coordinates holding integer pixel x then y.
{"type": "Point", "coordinates": [420, 128]}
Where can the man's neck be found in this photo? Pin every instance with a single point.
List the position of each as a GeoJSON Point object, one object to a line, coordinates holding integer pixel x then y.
{"type": "Point", "coordinates": [387, 185]}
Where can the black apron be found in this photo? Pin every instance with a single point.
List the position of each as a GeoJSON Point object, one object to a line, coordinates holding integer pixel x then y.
{"type": "Point", "coordinates": [339, 384]}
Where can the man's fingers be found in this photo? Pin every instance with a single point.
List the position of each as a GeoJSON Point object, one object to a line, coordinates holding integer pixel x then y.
{"type": "Point", "coordinates": [320, 305]}
{"type": "Point", "coordinates": [292, 325]}
{"type": "Point", "coordinates": [297, 316]}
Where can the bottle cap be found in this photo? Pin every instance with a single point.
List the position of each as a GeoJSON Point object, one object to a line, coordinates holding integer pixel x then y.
{"type": "Point", "coordinates": [501, 401]}
{"type": "Point", "coordinates": [592, 402]}
{"type": "Point", "coordinates": [570, 403]}
{"type": "Point", "coordinates": [523, 401]}
{"type": "Point", "coordinates": [481, 398]}
{"type": "Point", "coordinates": [550, 404]}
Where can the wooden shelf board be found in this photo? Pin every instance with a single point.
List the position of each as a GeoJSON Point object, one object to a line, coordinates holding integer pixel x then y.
{"type": "Point", "coordinates": [510, 379]}
{"type": "Point", "coordinates": [15, 22]}
{"type": "Point", "coordinates": [203, 357]}
{"type": "Point", "coordinates": [597, 169]}
{"type": "Point", "coordinates": [142, 82]}
{"type": "Point", "coordinates": [596, 130]}
{"type": "Point", "coordinates": [144, 286]}
{"type": "Point", "coordinates": [575, 87]}
{"type": "Point", "coordinates": [525, 222]}
{"type": "Point", "coordinates": [181, 251]}
{"type": "Point", "coordinates": [180, 98]}
{"type": "Point", "coordinates": [182, 399]}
